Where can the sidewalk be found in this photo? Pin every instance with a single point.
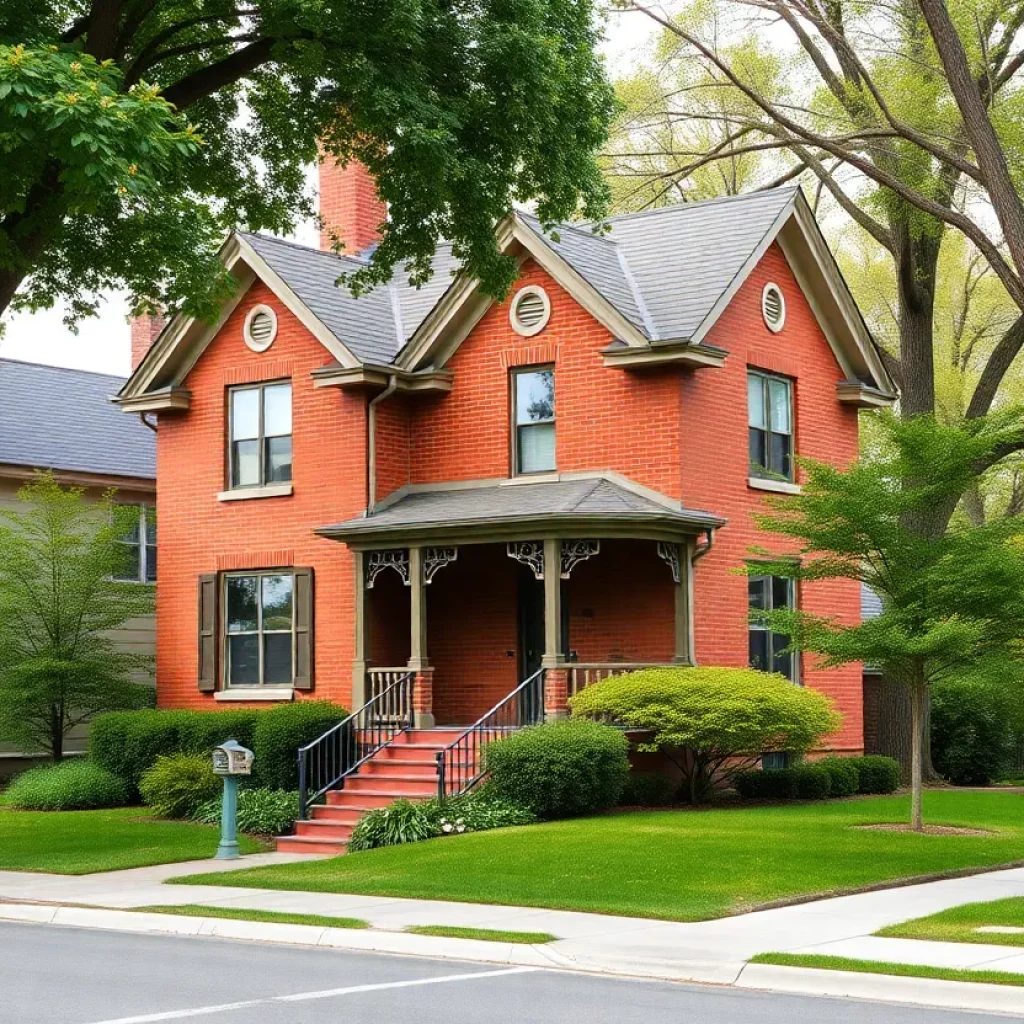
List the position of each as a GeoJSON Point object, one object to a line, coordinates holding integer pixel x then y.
{"type": "Point", "coordinates": [710, 951]}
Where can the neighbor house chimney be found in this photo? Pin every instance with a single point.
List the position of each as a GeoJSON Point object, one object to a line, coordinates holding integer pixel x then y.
{"type": "Point", "coordinates": [349, 206]}
{"type": "Point", "coordinates": [144, 331]}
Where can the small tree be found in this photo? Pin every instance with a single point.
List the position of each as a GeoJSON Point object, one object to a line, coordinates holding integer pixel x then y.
{"type": "Point", "coordinates": [949, 601]}
{"type": "Point", "coordinates": [59, 599]}
{"type": "Point", "coordinates": [722, 719]}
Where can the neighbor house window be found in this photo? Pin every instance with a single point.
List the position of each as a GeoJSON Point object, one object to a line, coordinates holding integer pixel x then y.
{"type": "Point", "coordinates": [138, 545]}
{"type": "Point", "coordinates": [770, 421]}
{"type": "Point", "coordinates": [260, 625]}
{"type": "Point", "coordinates": [533, 398]}
{"type": "Point", "coordinates": [261, 435]}
{"type": "Point", "coordinates": [770, 593]}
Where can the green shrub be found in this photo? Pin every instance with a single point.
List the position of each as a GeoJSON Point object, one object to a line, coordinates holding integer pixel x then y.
{"type": "Point", "coordinates": [561, 769]}
{"type": "Point", "coordinates": [177, 785]}
{"type": "Point", "coordinates": [69, 786]}
{"type": "Point", "coordinates": [802, 782]}
{"type": "Point", "coordinates": [266, 812]}
{"type": "Point", "coordinates": [402, 822]}
{"type": "Point", "coordinates": [844, 775]}
{"type": "Point", "coordinates": [722, 717]}
{"type": "Point", "coordinates": [478, 812]}
{"type": "Point", "coordinates": [280, 732]}
{"type": "Point", "coordinates": [647, 789]}
{"type": "Point", "coordinates": [877, 774]}
{"type": "Point", "coordinates": [971, 733]}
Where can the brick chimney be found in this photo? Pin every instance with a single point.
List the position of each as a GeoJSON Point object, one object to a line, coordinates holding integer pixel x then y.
{"type": "Point", "coordinates": [349, 205]}
{"type": "Point", "coordinates": [144, 331]}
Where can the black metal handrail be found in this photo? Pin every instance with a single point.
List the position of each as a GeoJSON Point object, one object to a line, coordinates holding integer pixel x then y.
{"type": "Point", "coordinates": [324, 763]}
{"type": "Point", "coordinates": [460, 764]}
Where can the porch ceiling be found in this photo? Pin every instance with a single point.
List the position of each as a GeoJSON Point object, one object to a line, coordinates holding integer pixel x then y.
{"type": "Point", "coordinates": [480, 511]}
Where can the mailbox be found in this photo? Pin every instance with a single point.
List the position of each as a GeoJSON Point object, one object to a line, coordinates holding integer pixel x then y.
{"type": "Point", "coordinates": [232, 758]}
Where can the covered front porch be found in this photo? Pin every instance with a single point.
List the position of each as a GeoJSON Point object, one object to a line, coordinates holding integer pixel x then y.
{"type": "Point", "coordinates": [477, 590]}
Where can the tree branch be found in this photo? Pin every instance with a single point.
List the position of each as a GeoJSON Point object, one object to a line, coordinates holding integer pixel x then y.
{"type": "Point", "coordinates": [209, 79]}
{"type": "Point", "coordinates": [999, 362]}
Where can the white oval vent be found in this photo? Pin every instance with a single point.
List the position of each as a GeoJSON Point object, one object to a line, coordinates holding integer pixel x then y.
{"type": "Point", "coordinates": [530, 312]}
{"type": "Point", "coordinates": [773, 307]}
{"type": "Point", "coordinates": [260, 328]}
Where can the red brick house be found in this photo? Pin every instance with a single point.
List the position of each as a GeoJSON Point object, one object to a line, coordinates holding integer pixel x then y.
{"type": "Point", "coordinates": [473, 491]}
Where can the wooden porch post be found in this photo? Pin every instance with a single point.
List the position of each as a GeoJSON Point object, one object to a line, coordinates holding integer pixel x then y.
{"type": "Point", "coordinates": [555, 676]}
{"type": "Point", "coordinates": [684, 607]}
{"type": "Point", "coordinates": [361, 661]}
{"type": "Point", "coordinates": [423, 696]}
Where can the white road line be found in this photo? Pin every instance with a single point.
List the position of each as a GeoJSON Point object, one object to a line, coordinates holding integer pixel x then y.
{"type": "Point", "coordinates": [202, 1011]}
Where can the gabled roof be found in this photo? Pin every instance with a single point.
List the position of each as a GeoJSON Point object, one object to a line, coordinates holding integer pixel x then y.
{"type": "Point", "coordinates": [658, 281]}
{"type": "Point", "coordinates": [55, 418]}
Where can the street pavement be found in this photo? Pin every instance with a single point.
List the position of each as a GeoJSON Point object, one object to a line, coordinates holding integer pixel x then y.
{"type": "Point", "coordinates": [76, 976]}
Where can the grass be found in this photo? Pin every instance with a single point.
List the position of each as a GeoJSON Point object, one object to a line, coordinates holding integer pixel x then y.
{"type": "Point", "coordinates": [81, 842]}
{"type": "Point", "coordinates": [677, 865]}
{"type": "Point", "coordinates": [958, 924]}
{"type": "Point", "coordinates": [265, 916]}
{"type": "Point", "coordinates": [485, 934]}
{"type": "Point", "coordinates": [841, 963]}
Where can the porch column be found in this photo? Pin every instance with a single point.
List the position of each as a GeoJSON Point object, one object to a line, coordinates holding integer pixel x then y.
{"type": "Point", "coordinates": [684, 607]}
{"type": "Point", "coordinates": [361, 660]}
{"type": "Point", "coordinates": [555, 676]}
{"type": "Point", "coordinates": [423, 685]}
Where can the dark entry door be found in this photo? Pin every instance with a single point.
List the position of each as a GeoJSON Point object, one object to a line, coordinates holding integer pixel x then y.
{"type": "Point", "coordinates": [531, 624]}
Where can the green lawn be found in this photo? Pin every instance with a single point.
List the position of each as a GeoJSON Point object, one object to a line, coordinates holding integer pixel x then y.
{"type": "Point", "coordinates": [263, 916]}
{"type": "Point", "coordinates": [485, 934]}
{"type": "Point", "coordinates": [80, 842]}
{"type": "Point", "coordinates": [842, 963]}
{"type": "Point", "coordinates": [679, 865]}
{"type": "Point", "coordinates": [958, 924]}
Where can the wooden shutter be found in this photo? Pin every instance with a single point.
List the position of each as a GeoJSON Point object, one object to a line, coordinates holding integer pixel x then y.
{"type": "Point", "coordinates": [303, 629]}
{"type": "Point", "coordinates": [209, 641]}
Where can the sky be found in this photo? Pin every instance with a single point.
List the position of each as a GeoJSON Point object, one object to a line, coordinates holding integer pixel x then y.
{"type": "Point", "coordinates": [102, 342]}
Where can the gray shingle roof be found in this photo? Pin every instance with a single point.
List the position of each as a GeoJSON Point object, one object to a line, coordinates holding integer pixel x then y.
{"type": "Point", "coordinates": [592, 498]}
{"type": "Point", "coordinates": [663, 270]}
{"type": "Point", "coordinates": [55, 418]}
{"type": "Point", "coordinates": [870, 603]}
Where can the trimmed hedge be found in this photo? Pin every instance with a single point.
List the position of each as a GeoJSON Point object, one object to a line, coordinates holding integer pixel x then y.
{"type": "Point", "coordinates": [647, 789]}
{"type": "Point", "coordinates": [843, 773]}
{"type": "Point", "coordinates": [177, 785]}
{"type": "Point", "coordinates": [877, 774]}
{"type": "Point", "coordinates": [561, 769]}
{"type": "Point", "coordinates": [972, 735]}
{"type": "Point", "coordinates": [68, 786]}
{"type": "Point", "coordinates": [803, 782]}
{"type": "Point", "coordinates": [127, 743]}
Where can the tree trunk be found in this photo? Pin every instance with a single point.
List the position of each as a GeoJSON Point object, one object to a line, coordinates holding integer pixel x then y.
{"type": "Point", "coordinates": [56, 734]}
{"type": "Point", "coordinates": [919, 694]}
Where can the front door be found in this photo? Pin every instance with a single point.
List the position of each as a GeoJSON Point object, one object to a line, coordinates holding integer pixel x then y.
{"type": "Point", "coordinates": [531, 624]}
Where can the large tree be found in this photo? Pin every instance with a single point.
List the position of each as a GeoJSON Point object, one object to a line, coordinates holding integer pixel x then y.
{"type": "Point", "coordinates": [134, 133]}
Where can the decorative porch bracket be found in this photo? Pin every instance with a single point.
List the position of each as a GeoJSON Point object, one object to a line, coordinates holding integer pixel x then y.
{"type": "Point", "coordinates": [669, 554]}
{"type": "Point", "coordinates": [530, 553]}
{"type": "Point", "coordinates": [576, 551]}
{"type": "Point", "coordinates": [435, 559]}
{"type": "Point", "coordinates": [378, 561]}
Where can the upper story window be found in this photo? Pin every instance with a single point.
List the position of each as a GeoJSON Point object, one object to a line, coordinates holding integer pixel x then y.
{"type": "Point", "coordinates": [139, 545]}
{"type": "Point", "coordinates": [770, 423]}
{"type": "Point", "coordinates": [770, 593]}
{"type": "Point", "coordinates": [260, 623]}
{"type": "Point", "coordinates": [260, 435]}
{"type": "Point", "coordinates": [533, 399]}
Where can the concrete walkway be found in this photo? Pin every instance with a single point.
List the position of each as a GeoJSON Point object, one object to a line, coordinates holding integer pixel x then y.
{"type": "Point", "coordinates": [710, 951]}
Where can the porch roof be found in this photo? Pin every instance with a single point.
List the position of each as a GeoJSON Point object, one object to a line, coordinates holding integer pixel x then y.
{"type": "Point", "coordinates": [516, 510]}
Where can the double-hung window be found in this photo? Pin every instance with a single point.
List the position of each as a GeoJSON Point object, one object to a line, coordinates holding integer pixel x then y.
{"type": "Point", "coordinates": [770, 593]}
{"type": "Point", "coordinates": [260, 623]}
{"type": "Point", "coordinates": [138, 544]}
{"type": "Point", "coordinates": [533, 400]}
{"type": "Point", "coordinates": [770, 423]}
{"type": "Point", "coordinates": [260, 435]}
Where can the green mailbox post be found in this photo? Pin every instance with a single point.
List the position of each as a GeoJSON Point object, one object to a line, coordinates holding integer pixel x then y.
{"type": "Point", "coordinates": [230, 760]}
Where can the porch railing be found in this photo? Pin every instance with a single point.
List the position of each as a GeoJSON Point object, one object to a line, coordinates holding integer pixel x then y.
{"type": "Point", "coordinates": [583, 674]}
{"type": "Point", "coordinates": [324, 763]}
{"type": "Point", "coordinates": [459, 765]}
{"type": "Point", "coordinates": [379, 679]}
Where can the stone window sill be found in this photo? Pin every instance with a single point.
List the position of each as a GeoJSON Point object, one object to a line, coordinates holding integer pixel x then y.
{"type": "Point", "coordinates": [777, 486]}
{"type": "Point", "coordinates": [245, 493]}
{"type": "Point", "coordinates": [284, 693]}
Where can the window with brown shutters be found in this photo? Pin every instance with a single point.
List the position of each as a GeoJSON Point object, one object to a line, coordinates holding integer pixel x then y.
{"type": "Point", "coordinates": [209, 641]}
{"type": "Point", "coordinates": [303, 629]}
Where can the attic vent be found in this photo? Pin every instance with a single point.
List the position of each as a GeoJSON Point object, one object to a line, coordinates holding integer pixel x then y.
{"type": "Point", "coordinates": [773, 307]}
{"type": "Point", "coordinates": [531, 310]}
{"type": "Point", "coordinates": [260, 328]}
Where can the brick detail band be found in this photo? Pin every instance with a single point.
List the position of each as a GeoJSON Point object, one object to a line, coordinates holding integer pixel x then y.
{"type": "Point", "coordinates": [260, 369]}
{"type": "Point", "coordinates": [530, 355]}
{"type": "Point", "coordinates": [255, 560]}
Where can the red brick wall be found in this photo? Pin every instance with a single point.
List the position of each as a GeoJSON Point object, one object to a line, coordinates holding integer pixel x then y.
{"type": "Point", "coordinates": [199, 534]}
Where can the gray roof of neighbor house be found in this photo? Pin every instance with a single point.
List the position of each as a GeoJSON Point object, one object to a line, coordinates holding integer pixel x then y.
{"type": "Point", "coordinates": [55, 418]}
{"type": "Point", "coordinates": [870, 603]}
{"type": "Point", "coordinates": [663, 270]}
{"type": "Point", "coordinates": [571, 501]}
